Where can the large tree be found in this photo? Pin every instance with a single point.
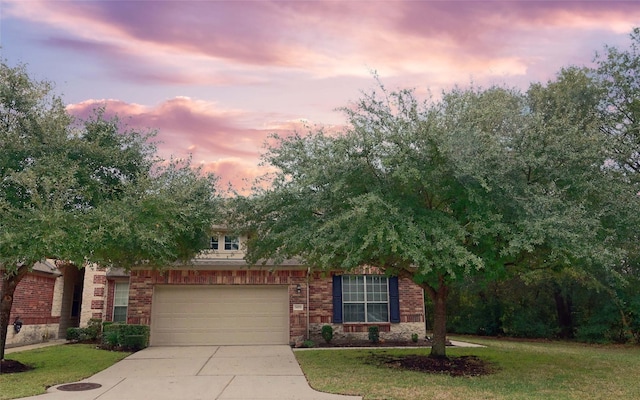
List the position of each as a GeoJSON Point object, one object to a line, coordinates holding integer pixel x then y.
{"type": "Point", "coordinates": [618, 71]}
{"type": "Point", "coordinates": [88, 191]}
{"type": "Point", "coordinates": [477, 183]}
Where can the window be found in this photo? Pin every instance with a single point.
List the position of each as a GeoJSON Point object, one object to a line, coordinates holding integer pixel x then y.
{"type": "Point", "coordinates": [365, 298]}
{"type": "Point", "coordinates": [120, 302]}
{"type": "Point", "coordinates": [231, 243]}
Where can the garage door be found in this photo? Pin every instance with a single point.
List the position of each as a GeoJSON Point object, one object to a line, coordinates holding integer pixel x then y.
{"type": "Point", "coordinates": [219, 315]}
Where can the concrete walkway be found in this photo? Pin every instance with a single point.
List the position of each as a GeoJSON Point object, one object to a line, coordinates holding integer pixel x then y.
{"type": "Point", "coordinates": [54, 342]}
{"type": "Point", "coordinates": [201, 372]}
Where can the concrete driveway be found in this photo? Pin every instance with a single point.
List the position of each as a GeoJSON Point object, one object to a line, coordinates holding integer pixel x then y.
{"type": "Point", "coordinates": [200, 372]}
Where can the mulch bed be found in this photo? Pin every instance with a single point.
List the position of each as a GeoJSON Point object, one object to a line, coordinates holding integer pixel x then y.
{"type": "Point", "coordinates": [466, 366]}
{"type": "Point", "coordinates": [368, 343]}
{"type": "Point", "coordinates": [12, 366]}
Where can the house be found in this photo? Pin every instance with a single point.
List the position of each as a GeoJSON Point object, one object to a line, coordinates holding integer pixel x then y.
{"type": "Point", "coordinates": [219, 299]}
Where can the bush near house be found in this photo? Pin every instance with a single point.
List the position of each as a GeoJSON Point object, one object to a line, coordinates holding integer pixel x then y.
{"type": "Point", "coordinates": [374, 334]}
{"type": "Point", "coordinates": [327, 333]}
{"type": "Point", "coordinates": [89, 334]}
{"type": "Point", "coordinates": [125, 336]}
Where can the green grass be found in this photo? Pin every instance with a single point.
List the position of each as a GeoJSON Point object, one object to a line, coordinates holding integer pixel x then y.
{"type": "Point", "coordinates": [525, 370]}
{"type": "Point", "coordinates": [55, 365]}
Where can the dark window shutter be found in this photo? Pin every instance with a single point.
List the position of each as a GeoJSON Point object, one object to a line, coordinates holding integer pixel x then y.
{"type": "Point", "coordinates": [394, 300]}
{"type": "Point", "coordinates": [337, 299]}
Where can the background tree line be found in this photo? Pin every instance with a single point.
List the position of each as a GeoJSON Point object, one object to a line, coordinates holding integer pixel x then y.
{"type": "Point", "coordinates": [601, 304]}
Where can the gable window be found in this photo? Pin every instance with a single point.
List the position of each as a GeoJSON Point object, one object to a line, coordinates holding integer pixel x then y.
{"type": "Point", "coordinates": [214, 243]}
{"type": "Point", "coordinates": [231, 243]}
{"type": "Point", "coordinates": [365, 299]}
{"type": "Point", "coordinates": [120, 302]}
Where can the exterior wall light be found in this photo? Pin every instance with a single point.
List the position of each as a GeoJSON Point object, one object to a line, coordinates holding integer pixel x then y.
{"type": "Point", "coordinates": [17, 325]}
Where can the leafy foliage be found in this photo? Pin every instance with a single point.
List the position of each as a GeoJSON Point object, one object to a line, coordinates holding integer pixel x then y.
{"type": "Point", "coordinates": [617, 72]}
{"type": "Point", "coordinates": [88, 191]}
{"type": "Point", "coordinates": [482, 182]}
{"type": "Point", "coordinates": [374, 334]}
{"type": "Point", "coordinates": [125, 336]}
{"type": "Point", "coordinates": [327, 333]}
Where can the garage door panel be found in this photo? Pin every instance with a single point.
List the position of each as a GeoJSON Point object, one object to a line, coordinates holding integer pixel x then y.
{"type": "Point", "coordinates": [218, 315]}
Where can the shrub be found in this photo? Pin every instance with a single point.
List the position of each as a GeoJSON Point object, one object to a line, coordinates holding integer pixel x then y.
{"type": "Point", "coordinates": [309, 344]}
{"type": "Point", "coordinates": [93, 329]}
{"type": "Point", "coordinates": [129, 337]}
{"type": "Point", "coordinates": [414, 338]}
{"type": "Point", "coordinates": [134, 342]}
{"type": "Point", "coordinates": [88, 334]}
{"type": "Point", "coordinates": [374, 334]}
{"type": "Point", "coordinates": [110, 339]}
{"type": "Point", "coordinates": [73, 334]}
{"type": "Point", "coordinates": [327, 333]}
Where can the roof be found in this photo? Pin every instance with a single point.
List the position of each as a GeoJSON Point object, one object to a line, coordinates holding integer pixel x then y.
{"type": "Point", "coordinates": [47, 267]}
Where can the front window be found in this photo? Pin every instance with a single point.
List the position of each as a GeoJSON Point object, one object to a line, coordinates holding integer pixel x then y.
{"type": "Point", "coordinates": [120, 302]}
{"type": "Point", "coordinates": [365, 298]}
{"type": "Point", "coordinates": [214, 243]}
{"type": "Point", "coordinates": [231, 243]}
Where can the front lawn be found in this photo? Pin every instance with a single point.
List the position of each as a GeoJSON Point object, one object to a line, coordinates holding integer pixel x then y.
{"type": "Point", "coordinates": [55, 365]}
{"type": "Point", "coordinates": [524, 370]}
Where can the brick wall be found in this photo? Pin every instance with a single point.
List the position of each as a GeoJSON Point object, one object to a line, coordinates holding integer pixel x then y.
{"type": "Point", "coordinates": [320, 295]}
{"type": "Point", "coordinates": [93, 300]}
{"type": "Point", "coordinates": [411, 301]}
{"type": "Point", "coordinates": [33, 300]}
{"type": "Point", "coordinates": [321, 300]}
{"type": "Point", "coordinates": [142, 283]}
{"type": "Point", "coordinates": [321, 309]}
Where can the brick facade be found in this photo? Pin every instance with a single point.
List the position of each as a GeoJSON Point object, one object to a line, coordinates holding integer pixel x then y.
{"type": "Point", "coordinates": [412, 318]}
{"type": "Point", "coordinates": [93, 303]}
{"type": "Point", "coordinates": [33, 302]}
{"type": "Point", "coordinates": [317, 313]}
{"type": "Point", "coordinates": [142, 283]}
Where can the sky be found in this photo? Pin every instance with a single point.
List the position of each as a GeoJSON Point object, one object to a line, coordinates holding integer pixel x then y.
{"type": "Point", "coordinates": [216, 78]}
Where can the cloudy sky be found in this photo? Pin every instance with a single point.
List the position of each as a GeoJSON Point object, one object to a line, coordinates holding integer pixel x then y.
{"type": "Point", "coordinates": [215, 78]}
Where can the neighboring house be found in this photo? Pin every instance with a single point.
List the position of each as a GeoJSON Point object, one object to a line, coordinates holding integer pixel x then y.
{"type": "Point", "coordinates": [46, 302]}
{"type": "Point", "coordinates": [219, 300]}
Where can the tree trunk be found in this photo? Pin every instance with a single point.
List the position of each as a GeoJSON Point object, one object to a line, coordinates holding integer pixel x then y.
{"type": "Point", "coordinates": [7, 289]}
{"type": "Point", "coordinates": [563, 309]}
{"type": "Point", "coordinates": [439, 298]}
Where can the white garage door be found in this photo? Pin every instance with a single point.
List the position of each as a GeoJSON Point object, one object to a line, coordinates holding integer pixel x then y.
{"type": "Point", "coordinates": [219, 315]}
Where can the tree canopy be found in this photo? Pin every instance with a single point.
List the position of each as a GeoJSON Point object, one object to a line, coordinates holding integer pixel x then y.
{"type": "Point", "coordinates": [88, 191]}
{"type": "Point", "coordinates": [479, 182]}
{"type": "Point", "coordinates": [618, 71]}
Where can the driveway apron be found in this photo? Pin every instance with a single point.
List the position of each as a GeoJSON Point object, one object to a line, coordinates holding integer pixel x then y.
{"type": "Point", "coordinates": [200, 373]}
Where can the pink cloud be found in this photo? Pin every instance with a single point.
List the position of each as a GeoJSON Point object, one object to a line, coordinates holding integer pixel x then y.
{"type": "Point", "coordinates": [217, 138]}
{"type": "Point", "coordinates": [244, 41]}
